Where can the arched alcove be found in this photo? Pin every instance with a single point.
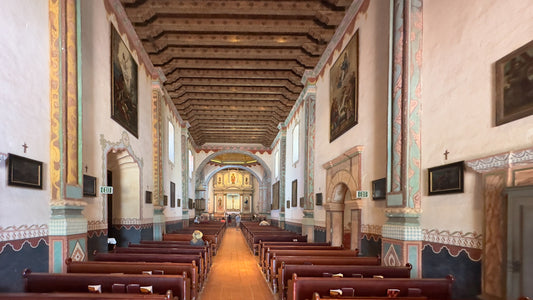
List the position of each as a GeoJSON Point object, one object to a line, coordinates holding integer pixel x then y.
{"type": "Point", "coordinates": [343, 209]}
{"type": "Point", "coordinates": [124, 204]}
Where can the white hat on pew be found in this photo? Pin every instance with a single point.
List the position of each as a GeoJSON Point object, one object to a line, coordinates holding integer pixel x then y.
{"type": "Point", "coordinates": [197, 234]}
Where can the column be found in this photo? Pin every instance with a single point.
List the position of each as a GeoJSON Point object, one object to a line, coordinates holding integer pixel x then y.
{"type": "Point", "coordinates": [401, 233]}
{"type": "Point", "coordinates": [68, 227]}
{"type": "Point", "coordinates": [185, 174]}
{"type": "Point", "coordinates": [282, 170]}
{"type": "Point", "coordinates": [157, 131]}
{"type": "Point", "coordinates": [309, 96]}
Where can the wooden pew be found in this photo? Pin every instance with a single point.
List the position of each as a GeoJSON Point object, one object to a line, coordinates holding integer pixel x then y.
{"type": "Point", "coordinates": [305, 250]}
{"type": "Point", "coordinates": [333, 253]}
{"type": "Point", "coordinates": [264, 248]}
{"type": "Point", "coordinates": [285, 272]}
{"type": "Point", "coordinates": [86, 296]}
{"type": "Point", "coordinates": [154, 257]}
{"type": "Point", "coordinates": [301, 288]}
{"type": "Point", "coordinates": [210, 246]}
{"type": "Point", "coordinates": [79, 282]}
{"type": "Point", "coordinates": [316, 296]}
{"type": "Point", "coordinates": [276, 262]}
{"type": "Point", "coordinates": [211, 238]}
{"type": "Point", "coordinates": [138, 268]}
{"type": "Point", "coordinates": [256, 239]}
{"type": "Point", "coordinates": [264, 244]}
{"type": "Point", "coordinates": [164, 250]}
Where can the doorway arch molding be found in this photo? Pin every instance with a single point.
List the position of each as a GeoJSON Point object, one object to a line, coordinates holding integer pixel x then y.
{"type": "Point", "coordinates": [344, 170]}
{"type": "Point", "coordinates": [123, 144]}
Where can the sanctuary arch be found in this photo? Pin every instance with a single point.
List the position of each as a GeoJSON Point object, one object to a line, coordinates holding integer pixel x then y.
{"type": "Point", "coordinates": [235, 188]}
{"type": "Point", "coordinates": [343, 209]}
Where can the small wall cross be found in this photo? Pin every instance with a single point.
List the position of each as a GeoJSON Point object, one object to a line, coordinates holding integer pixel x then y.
{"type": "Point", "coordinates": [446, 154]}
{"type": "Point", "coordinates": [25, 147]}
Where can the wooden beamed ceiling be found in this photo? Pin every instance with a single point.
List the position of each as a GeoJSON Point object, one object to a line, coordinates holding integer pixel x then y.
{"type": "Point", "coordinates": [234, 67]}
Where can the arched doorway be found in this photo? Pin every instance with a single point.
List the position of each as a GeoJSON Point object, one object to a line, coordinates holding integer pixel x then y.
{"type": "Point", "coordinates": [343, 209]}
{"type": "Point", "coordinates": [336, 216]}
{"type": "Point", "coordinates": [124, 205]}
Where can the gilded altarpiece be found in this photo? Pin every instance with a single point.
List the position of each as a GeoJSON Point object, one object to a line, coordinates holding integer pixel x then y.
{"type": "Point", "coordinates": [233, 192]}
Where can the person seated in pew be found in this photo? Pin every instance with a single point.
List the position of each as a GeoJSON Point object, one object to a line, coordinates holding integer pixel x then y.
{"type": "Point", "coordinates": [264, 223]}
{"type": "Point", "coordinates": [197, 238]}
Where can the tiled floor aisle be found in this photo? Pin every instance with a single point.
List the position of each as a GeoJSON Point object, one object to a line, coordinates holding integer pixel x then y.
{"type": "Point", "coordinates": [235, 274]}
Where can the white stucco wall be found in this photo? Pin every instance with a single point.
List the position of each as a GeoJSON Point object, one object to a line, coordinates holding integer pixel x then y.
{"type": "Point", "coordinates": [100, 132]}
{"type": "Point", "coordinates": [371, 130]}
{"type": "Point", "coordinates": [172, 172]}
{"type": "Point", "coordinates": [462, 41]}
{"type": "Point", "coordinates": [295, 170]}
{"type": "Point", "coordinates": [24, 109]}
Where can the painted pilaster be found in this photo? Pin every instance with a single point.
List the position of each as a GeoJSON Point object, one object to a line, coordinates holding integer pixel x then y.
{"type": "Point", "coordinates": [402, 233]}
{"type": "Point", "coordinates": [308, 220]}
{"type": "Point", "coordinates": [157, 131]}
{"type": "Point", "coordinates": [264, 206]}
{"type": "Point", "coordinates": [68, 227]}
{"type": "Point", "coordinates": [185, 174]}
{"type": "Point", "coordinates": [282, 171]}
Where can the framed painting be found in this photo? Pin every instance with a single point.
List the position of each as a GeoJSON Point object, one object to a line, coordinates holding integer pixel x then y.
{"type": "Point", "coordinates": [24, 172]}
{"type": "Point", "coordinates": [294, 198]}
{"type": "Point", "coordinates": [379, 189]}
{"type": "Point", "coordinates": [302, 202]}
{"type": "Point", "coordinates": [165, 201]}
{"type": "Point", "coordinates": [148, 197]}
{"type": "Point", "coordinates": [514, 85]}
{"type": "Point", "coordinates": [89, 186]}
{"type": "Point", "coordinates": [173, 193]}
{"type": "Point", "coordinates": [288, 204]}
{"type": "Point", "coordinates": [446, 179]}
{"type": "Point", "coordinates": [275, 196]}
{"type": "Point", "coordinates": [179, 202]}
{"type": "Point", "coordinates": [124, 102]}
{"type": "Point", "coordinates": [318, 199]}
{"type": "Point", "coordinates": [344, 90]}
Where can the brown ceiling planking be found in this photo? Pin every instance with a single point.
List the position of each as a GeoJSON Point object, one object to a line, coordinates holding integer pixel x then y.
{"type": "Point", "coordinates": [234, 67]}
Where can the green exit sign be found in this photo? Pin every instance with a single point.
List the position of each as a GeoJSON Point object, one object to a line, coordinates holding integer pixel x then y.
{"type": "Point", "coordinates": [362, 194]}
{"type": "Point", "coordinates": [106, 190]}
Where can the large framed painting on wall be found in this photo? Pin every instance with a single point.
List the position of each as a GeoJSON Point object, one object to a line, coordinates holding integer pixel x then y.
{"type": "Point", "coordinates": [344, 90]}
{"type": "Point", "coordinates": [514, 85]}
{"type": "Point", "coordinates": [123, 85]}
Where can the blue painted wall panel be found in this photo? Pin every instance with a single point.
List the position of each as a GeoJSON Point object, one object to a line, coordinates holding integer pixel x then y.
{"type": "Point", "coordinates": [320, 236]}
{"type": "Point", "coordinates": [14, 262]}
{"type": "Point", "coordinates": [370, 247]}
{"type": "Point", "coordinates": [467, 272]}
{"type": "Point", "coordinates": [96, 243]}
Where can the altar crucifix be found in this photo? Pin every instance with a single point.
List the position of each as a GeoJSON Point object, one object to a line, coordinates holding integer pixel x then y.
{"type": "Point", "coordinates": [446, 154]}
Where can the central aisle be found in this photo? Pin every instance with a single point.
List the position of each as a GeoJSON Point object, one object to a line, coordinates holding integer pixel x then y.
{"type": "Point", "coordinates": [235, 274]}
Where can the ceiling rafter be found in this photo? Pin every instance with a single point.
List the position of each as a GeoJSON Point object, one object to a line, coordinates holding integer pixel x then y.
{"type": "Point", "coordinates": [233, 68]}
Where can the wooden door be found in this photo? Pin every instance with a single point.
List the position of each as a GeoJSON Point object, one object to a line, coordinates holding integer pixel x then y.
{"type": "Point", "coordinates": [520, 242]}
